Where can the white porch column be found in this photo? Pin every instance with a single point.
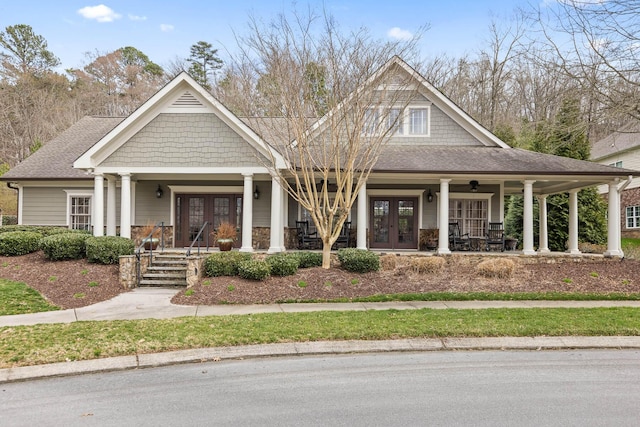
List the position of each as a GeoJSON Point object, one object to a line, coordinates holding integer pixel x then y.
{"type": "Point", "coordinates": [125, 205]}
{"type": "Point", "coordinates": [573, 222]}
{"type": "Point", "coordinates": [98, 205]}
{"type": "Point", "coordinates": [276, 237]}
{"type": "Point", "coordinates": [361, 232]}
{"type": "Point", "coordinates": [111, 206]}
{"type": "Point", "coordinates": [527, 220]}
{"type": "Point", "coordinates": [544, 234]}
{"type": "Point", "coordinates": [613, 222]}
{"type": "Point", "coordinates": [443, 218]}
{"type": "Point", "coordinates": [247, 214]}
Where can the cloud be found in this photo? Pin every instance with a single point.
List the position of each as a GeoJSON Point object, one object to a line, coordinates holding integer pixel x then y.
{"type": "Point", "coordinates": [166, 28]}
{"type": "Point", "coordinates": [137, 18]}
{"type": "Point", "coordinates": [399, 34]}
{"type": "Point", "coordinates": [100, 13]}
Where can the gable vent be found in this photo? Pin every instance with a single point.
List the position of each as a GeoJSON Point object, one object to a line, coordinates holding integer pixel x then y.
{"type": "Point", "coordinates": [187, 100]}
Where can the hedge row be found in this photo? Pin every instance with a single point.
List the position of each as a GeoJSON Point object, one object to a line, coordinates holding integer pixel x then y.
{"type": "Point", "coordinates": [59, 244]}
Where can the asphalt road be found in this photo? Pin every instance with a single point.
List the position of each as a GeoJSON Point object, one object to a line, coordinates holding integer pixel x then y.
{"type": "Point", "coordinates": [489, 388]}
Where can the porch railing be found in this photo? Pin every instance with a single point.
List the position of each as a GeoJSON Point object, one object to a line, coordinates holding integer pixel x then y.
{"type": "Point", "coordinates": [204, 227]}
{"type": "Point", "coordinates": [145, 240]}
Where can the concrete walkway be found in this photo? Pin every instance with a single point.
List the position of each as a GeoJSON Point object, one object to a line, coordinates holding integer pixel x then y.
{"type": "Point", "coordinates": [155, 303]}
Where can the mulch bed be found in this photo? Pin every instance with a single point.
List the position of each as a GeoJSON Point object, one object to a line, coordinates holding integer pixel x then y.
{"type": "Point", "coordinates": [63, 283]}
{"type": "Point", "coordinates": [66, 283]}
{"type": "Point", "coordinates": [459, 275]}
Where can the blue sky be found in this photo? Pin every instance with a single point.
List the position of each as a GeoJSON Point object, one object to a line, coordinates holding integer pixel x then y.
{"type": "Point", "coordinates": [166, 29]}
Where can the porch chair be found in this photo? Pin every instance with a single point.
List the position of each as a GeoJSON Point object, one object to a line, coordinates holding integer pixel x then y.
{"type": "Point", "coordinates": [306, 239]}
{"type": "Point", "coordinates": [457, 240]}
{"type": "Point", "coordinates": [495, 236]}
{"type": "Point", "coordinates": [343, 238]}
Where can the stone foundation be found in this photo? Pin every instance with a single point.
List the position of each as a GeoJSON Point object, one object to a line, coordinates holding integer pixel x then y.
{"type": "Point", "coordinates": [128, 269]}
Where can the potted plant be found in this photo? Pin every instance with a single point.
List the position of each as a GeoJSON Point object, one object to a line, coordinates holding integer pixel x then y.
{"type": "Point", "coordinates": [150, 241]}
{"type": "Point", "coordinates": [510, 243]}
{"type": "Point", "coordinates": [225, 235]}
{"type": "Point", "coordinates": [429, 239]}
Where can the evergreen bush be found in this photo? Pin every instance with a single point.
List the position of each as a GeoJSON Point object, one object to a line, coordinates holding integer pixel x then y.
{"type": "Point", "coordinates": [16, 243]}
{"type": "Point", "coordinates": [308, 259]}
{"type": "Point", "coordinates": [108, 249]}
{"type": "Point", "coordinates": [283, 264]}
{"type": "Point", "coordinates": [358, 260]}
{"type": "Point", "coordinates": [64, 246]}
{"type": "Point", "coordinates": [254, 270]}
{"type": "Point", "coordinates": [224, 263]}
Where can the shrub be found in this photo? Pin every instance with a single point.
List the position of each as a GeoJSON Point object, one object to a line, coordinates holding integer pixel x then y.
{"type": "Point", "coordinates": [309, 259]}
{"type": "Point", "coordinates": [46, 230]}
{"type": "Point", "coordinates": [496, 267]}
{"type": "Point", "coordinates": [426, 265]}
{"type": "Point", "coordinates": [9, 220]}
{"type": "Point", "coordinates": [283, 264]}
{"type": "Point", "coordinates": [254, 269]}
{"type": "Point", "coordinates": [224, 263]}
{"type": "Point", "coordinates": [388, 262]}
{"type": "Point", "coordinates": [108, 249]}
{"type": "Point", "coordinates": [358, 260]}
{"type": "Point", "coordinates": [65, 246]}
{"type": "Point", "coordinates": [19, 242]}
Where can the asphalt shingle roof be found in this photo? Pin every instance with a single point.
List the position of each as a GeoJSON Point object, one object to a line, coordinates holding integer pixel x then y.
{"type": "Point", "coordinates": [484, 160]}
{"type": "Point", "coordinates": [625, 139]}
{"type": "Point", "coordinates": [55, 159]}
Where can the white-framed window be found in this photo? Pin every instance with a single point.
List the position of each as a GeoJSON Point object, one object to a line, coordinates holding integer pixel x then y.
{"type": "Point", "coordinates": [79, 210]}
{"type": "Point", "coordinates": [617, 164]}
{"type": "Point", "coordinates": [396, 121]}
{"type": "Point", "coordinates": [633, 216]}
{"type": "Point", "coordinates": [471, 214]}
{"type": "Point", "coordinates": [371, 121]}
{"type": "Point", "coordinates": [418, 121]}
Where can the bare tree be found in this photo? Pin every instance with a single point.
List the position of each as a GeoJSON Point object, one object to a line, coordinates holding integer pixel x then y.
{"type": "Point", "coordinates": [301, 71]}
{"type": "Point", "coordinates": [596, 43]}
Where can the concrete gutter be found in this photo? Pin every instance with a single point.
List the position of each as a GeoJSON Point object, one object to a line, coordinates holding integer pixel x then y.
{"type": "Point", "coordinates": [313, 348]}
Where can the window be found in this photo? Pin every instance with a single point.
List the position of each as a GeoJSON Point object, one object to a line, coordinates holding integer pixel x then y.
{"type": "Point", "coordinates": [633, 216]}
{"type": "Point", "coordinates": [471, 214]}
{"type": "Point", "coordinates": [617, 164]}
{"type": "Point", "coordinates": [395, 121]}
{"type": "Point", "coordinates": [418, 121]}
{"type": "Point", "coordinates": [80, 215]}
{"type": "Point", "coordinates": [371, 121]}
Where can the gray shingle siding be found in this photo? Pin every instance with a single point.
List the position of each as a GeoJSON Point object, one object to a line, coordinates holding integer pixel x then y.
{"type": "Point", "coordinates": [185, 140]}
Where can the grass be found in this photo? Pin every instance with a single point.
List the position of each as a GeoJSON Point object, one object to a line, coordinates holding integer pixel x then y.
{"type": "Point", "coordinates": [38, 344]}
{"type": "Point", "coordinates": [93, 284]}
{"type": "Point", "coordinates": [18, 298]}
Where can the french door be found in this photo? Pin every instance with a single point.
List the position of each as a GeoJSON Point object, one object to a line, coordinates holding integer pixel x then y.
{"type": "Point", "coordinates": [192, 210]}
{"type": "Point", "coordinates": [394, 222]}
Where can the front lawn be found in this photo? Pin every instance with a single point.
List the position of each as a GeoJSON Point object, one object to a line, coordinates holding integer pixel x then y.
{"type": "Point", "coordinates": [18, 298]}
{"type": "Point", "coordinates": [39, 344]}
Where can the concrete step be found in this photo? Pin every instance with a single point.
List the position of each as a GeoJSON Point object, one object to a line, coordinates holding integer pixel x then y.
{"type": "Point", "coordinates": [163, 283]}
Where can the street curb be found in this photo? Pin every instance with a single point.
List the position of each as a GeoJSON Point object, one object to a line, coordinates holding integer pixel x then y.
{"type": "Point", "coordinates": [120, 363]}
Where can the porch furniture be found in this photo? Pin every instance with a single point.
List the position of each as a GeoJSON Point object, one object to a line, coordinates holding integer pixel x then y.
{"type": "Point", "coordinates": [306, 239]}
{"type": "Point", "coordinates": [343, 238]}
{"type": "Point", "coordinates": [457, 240]}
{"type": "Point", "coordinates": [495, 236]}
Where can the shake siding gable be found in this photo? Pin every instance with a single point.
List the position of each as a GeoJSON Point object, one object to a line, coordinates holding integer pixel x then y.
{"type": "Point", "coordinates": [185, 140]}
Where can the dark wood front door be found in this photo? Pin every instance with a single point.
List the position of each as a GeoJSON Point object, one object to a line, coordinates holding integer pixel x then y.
{"type": "Point", "coordinates": [394, 223]}
{"type": "Point", "coordinates": [192, 210]}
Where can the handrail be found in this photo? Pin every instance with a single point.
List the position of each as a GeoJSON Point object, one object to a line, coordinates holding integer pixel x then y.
{"type": "Point", "coordinates": [143, 241]}
{"type": "Point", "coordinates": [205, 225]}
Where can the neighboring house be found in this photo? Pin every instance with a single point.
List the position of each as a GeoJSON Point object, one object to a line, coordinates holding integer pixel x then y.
{"type": "Point", "coordinates": [622, 149]}
{"type": "Point", "coordinates": [183, 158]}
